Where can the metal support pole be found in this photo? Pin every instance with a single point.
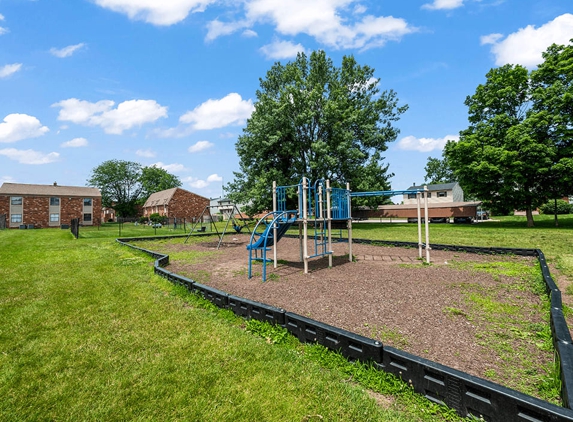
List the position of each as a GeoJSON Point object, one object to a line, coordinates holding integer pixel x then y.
{"type": "Point", "coordinates": [305, 224]}
{"type": "Point", "coordinates": [418, 196]}
{"type": "Point", "coordinates": [349, 223]}
{"type": "Point", "coordinates": [329, 222]}
{"type": "Point", "coordinates": [274, 224]}
{"type": "Point", "coordinates": [427, 224]}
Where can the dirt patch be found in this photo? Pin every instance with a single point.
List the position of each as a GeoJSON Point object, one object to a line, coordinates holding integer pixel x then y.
{"type": "Point", "coordinates": [388, 294]}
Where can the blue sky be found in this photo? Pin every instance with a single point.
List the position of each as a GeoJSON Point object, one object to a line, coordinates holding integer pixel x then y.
{"type": "Point", "coordinates": [172, 82]}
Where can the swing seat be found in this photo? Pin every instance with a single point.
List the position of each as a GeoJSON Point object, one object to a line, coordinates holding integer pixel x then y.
{"type": "Point", "coordinates": [238, 228]}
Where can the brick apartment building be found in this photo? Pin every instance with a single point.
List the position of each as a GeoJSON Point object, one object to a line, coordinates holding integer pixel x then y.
{"type": "Point", "coordinates": [41, 206]}
{"type": "Point", "coordinates": [175, 203]}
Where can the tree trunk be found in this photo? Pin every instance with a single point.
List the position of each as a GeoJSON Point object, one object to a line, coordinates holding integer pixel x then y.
{"type": "Point", "coordinates": [556, 222]}
{"type": "Point", "coordinates": [529, 214]}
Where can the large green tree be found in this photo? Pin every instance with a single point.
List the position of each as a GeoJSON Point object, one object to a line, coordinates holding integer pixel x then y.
{"type": "Point", "coordinates": [154, 179]}
{"type": "Point", "coordinates": [317, 120]}
{"type": "Point", "coordinates": [125, 184]}
{"type": "Point", "coordinates": [439, 171]}
{"type": "Point", "coordinates": [517, 150]}
{"type": "Point", "coordinates": [552, 96]}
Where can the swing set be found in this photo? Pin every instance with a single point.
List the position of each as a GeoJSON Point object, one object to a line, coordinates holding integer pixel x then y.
{"type": "Point", "coordinates": [238, 224]}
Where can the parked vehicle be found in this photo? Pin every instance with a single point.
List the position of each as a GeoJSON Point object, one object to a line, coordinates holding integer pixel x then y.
{"type": "Point", "coordinates": [439, 220]}
{"type": "Point", "coordinates": [483, 215]}
{"type": "Point", "coordinates": [463, 220]}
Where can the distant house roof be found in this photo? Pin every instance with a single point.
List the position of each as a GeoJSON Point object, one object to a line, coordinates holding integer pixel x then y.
{"type": "Point", "coordinates": [163, 197]}
{"type": "Point", "coordinates": [439, 186]}
{"type": "Point", "coordinates": [433, 205]}
{"type": "Point", "coordinates": [48, 190]}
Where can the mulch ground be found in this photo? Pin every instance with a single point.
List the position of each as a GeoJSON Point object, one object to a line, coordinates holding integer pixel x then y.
{"type": "Point", "coordinates": [386, 294]}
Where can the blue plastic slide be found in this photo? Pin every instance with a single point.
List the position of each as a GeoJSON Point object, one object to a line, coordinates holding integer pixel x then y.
{"type": "Point", "coordinates": [262, 241]}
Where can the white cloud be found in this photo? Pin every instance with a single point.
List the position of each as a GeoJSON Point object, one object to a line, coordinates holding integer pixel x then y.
{"type": "Point", "coordinates": [161, 13]}
{"type": "Point", "coordinates": [197, 183]}
{"type": "Point", "coordinates": [75, 143]}
{"type": "Point", "coordinates": [2, 30]}
{"type": "Point", "coordinates": [217, 28]}
{"type": "Point", "coordinates": [249, 33]}
{"type": "Point", "coordinates": [7, 179]}
{"type": "Point", "coordinates": [281, 50]}
{"type": "Point", "coordinates": [29, 156]}
{"type": "Point", "coordinates": [490, 39]}
{"type": "Point", "coordinates": [411, 143]}
{"type": "Point", "coordinates": [200, 146]}
{"type": "Point", "coordinates": [526, 45]}
{"type": "Point", "coordinates": [443, 4]}
{"type": "Point", "coordinates": [9, 69]}
{"type": "Point", "coordinates": [66, 51]}
{"type": "Point", "coordinates": [127, 115]}
{"type": "Point", "coordinates": [147, 153]}
{"type": "Point", "coordinates": [212, 114]}
{"type": "Point", "coordinates": [171, 168]}
{"type": "Point", "coordinates": [331, 22]}
{"type": "Point", "coordinates": [20, 126]}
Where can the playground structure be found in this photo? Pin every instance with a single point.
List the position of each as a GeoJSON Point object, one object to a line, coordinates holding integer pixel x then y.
{"type": "Point", "coordinates": [237, 225]}
{"type": "Point", "coordinates": [319, 205]}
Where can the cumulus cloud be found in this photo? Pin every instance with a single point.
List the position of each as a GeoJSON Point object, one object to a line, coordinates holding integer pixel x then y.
{"type": "Point", "coordinates": [171, 168]}
{"type": "Point", "coordinates": [7, 179]}
{"type": "Point", "coordinates": [9, 69]}
{"type": "Point", "coordinates": [443, 4]}
{"type": "Point", "coordinates": [66, 51]}
{"type": "Point", "coordinates": [147, 153]}
{"type": "Point", "coordinates": [20, 126]}
{"type": "Point", "coordinates": [213, 114]}
{"type": "Point", "coordinates": [526, 45]}
{"type": "Point", "coordinates": [161, 13]}
{"type": "Point", "coordinates": [197, 183]}
{"type": "Point", "coordinates": [200, 146]}
{"type": "Point", "coordinates": [29, 156]}
{"type": "Point", "coordinates": [281, 50]}
{"type": "Point", "coordinates": [2, 30]}
{"type": "Point", "coordinates": [75, 143]}
{"type": "Point", "coordinates": [411, 143]}
{"type": "Point", "coordinates": [217, 28]}
{"type": "Point", "coordinates": [128, 114]}
{"type": "Point", "coordinates": [336, 23]}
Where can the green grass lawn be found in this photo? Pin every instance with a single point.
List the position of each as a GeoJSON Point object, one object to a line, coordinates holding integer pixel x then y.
{"type": "Point", "coordinates": [87, 332]}
{"type": "Point", "coordinates": [511, 232]}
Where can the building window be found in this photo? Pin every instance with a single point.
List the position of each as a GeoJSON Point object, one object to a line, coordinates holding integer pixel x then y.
{"type": "Point", "coordinates": [16, 218]}
{"type": "Point", "coordinates": [54, 218]}
{"type": "Point", "coordinates": [429, 194]}
{"type": "Point", "coordinates": [54, 202]}
{"type": "Point", "coordinates": [87, 202]}
{"type": "Point", "coordinates": [87, 217]}
{"type": "Point", "coordinates": [16, 200]}
{"type": "Point", "coordinates": [411, 196]}
{"type": "Point", "coordinates": [442, 194]}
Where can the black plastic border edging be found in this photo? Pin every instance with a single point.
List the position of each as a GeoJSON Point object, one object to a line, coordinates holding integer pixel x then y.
{"type": "Point", "coordinates": [467, 394]}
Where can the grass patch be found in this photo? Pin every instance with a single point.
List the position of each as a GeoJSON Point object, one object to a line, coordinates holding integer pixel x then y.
{"type": "Point", "coordinates": [503, 326]}
{"type": "Point", "coordinates": [87, 332]}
